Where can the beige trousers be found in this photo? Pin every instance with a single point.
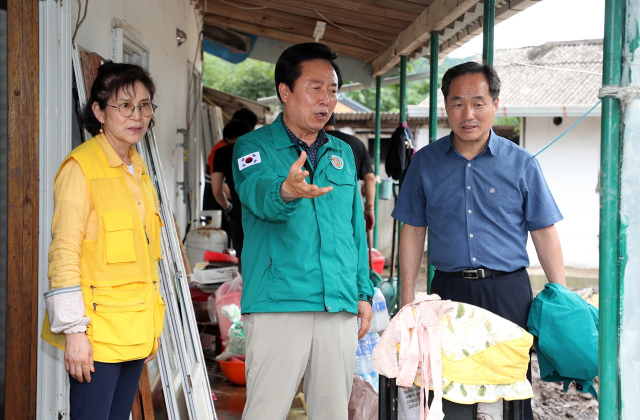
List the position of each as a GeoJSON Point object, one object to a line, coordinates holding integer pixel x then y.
{"type": "Point", "coordinates": [284, 347]}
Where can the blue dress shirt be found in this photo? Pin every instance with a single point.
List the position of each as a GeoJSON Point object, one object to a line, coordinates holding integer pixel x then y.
{"type": "Point", "coordinates": [478, 211]}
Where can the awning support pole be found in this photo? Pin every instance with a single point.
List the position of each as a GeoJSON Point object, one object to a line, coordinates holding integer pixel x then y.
{"type": "Point", "coordinates": [433, 123]}
{"type": "Point", "coordinates": [403, 118]}
{"type": "Point", "coordinates": [376, 156]}
{"type": "Point", "coordinates": [489, 21]}
{"type": "Point", "coordinates": [609, 214]}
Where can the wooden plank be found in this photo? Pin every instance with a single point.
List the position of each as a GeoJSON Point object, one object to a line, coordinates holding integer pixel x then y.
{"type": "Point", "coordinates": [291, 37]}
{"type": "Point", "coordinates": [136, 408]}
{"type": "Point", "coordinates": [90, 62]}
{"type": "Point", "coordinates": [145, 394]}
{"type": "Point", "coordinates": [400, 5]}
{"type": "Point", "coordinates": [274, 18]}
{"type": "Point", "coordinates": [331, 33]}
{"type": "Point", "coordinates": [352, 8]}
{"type": "Point", "coordinates": [335, 15]}
{"type": "Point", "coordinates": [23, 207]}
{"type": "Point", "coordinates": [434, 18]}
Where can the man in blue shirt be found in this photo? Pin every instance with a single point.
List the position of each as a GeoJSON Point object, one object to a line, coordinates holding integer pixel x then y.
{"type": "Point", "coordinates": [480, 195]}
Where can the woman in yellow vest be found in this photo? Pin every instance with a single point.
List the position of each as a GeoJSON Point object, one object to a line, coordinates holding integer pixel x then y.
{"type": "Point", "coordinates": [104, 307]}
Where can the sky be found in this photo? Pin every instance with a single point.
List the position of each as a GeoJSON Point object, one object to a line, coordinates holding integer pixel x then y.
{"type": "Point", "coordinates": [549, 20]}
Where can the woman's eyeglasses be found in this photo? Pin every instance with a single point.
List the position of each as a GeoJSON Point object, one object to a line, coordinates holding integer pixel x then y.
{"type": "Point", "coordinates": [127, 109]}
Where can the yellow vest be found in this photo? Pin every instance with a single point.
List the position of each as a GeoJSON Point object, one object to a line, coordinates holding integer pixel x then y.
{"type": "Point", "coordinates": [118, 271]}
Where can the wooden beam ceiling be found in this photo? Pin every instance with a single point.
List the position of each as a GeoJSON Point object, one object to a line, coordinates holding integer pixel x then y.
{"type": "Point", "coordinates": [434, 18]}
{"type": "Point", "coordinates": [375, 31]}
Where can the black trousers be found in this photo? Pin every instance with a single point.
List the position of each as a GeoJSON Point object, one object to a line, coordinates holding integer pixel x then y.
{"type": "Point", "coordinates": [109, 395]}
{"type": "Point", "coordinates": [508, 296]}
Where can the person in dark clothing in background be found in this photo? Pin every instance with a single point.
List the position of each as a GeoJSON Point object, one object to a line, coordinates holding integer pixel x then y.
{"type": "Point", "coordinates": [221, 174]}
{"type": "Point", "coordinates": [363, 166]}
{"type": "Point", "coordinates": [230, 133]}
{"type": "Point", "coordinates": [246, 115]}
{"type": "Point", "coordinates": [208, 201]}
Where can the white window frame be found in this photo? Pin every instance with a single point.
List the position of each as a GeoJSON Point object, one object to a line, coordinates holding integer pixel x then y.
{"type": "Point", "coordinates": [126, 47]}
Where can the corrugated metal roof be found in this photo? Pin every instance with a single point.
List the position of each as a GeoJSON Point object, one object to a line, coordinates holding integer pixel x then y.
{"type": "Point", "coordinates": [384, 117]}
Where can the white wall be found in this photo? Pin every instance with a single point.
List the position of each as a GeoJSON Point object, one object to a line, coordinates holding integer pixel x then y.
{"type": "Point", "coordinates": [571, 167]}
{"type": "Point", "coordinates": [154, 23]}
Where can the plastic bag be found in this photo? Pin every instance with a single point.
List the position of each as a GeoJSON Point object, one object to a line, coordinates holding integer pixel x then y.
{"type": "Point", "coordinates": [236, 347]}
{"type": "Point", "coordinates": [409, 403]}
{"type": "Point", "coordinates": [229, 293]}
{"type": "Point", "coordinates": [211, 308]}
{"type": "Point", "coordinates": [363, 404]}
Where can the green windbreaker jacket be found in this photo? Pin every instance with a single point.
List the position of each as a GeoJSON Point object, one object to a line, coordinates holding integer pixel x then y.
{"type": "Point", "coordinates": [309, 254]}
{"type": "Point", "coordinates": [566, 331]}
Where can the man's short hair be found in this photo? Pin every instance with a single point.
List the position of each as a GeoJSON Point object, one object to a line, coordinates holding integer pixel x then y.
{"type": "Point", "coordinates": [472, 68]}
{"type": "Point", "coordinates": [246, 115]}
{"type": "Point", "coordinates": [288, 67]}
{"type": "Point", "coordinates": [235, 129]}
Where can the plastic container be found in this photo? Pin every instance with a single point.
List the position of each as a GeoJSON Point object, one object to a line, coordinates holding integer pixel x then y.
{"type": "Point", "coordinates": [386, 187]}
{"type": "Point", "coordinates": [377, 260]}
{"type": "Point", "coordinates": [380, 319]}
{"type": "Point", "coordinates": [364, 362]}
{"type": "Point", "coordinates": [205, 238]}
{"type": "Point", "coordinates": [234, 370]}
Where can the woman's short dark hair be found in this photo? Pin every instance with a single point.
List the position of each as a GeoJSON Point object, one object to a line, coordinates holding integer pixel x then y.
{"type": "Point", "coordinates": [110, 79]}
{"type": "Point", "coordinates": [288, 66]}
{"type": "Point", "coordinates": [472, 68]}
{"type": "Point", "coordinates": [235, 128]}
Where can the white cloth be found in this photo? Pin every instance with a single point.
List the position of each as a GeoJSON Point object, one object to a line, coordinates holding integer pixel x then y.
{"type": "Point", "coordinates": [65, 307]}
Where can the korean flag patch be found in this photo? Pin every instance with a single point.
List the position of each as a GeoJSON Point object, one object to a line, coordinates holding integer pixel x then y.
{"type": "Point", "coordinates": [249, 160]}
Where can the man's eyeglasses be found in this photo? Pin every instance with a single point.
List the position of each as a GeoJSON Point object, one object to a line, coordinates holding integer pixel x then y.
{"type": "Point", "coordinates": [127, 109]}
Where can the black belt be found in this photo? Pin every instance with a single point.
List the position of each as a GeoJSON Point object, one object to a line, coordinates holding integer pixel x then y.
{"type": "Point", "coordinates": [480, 273]}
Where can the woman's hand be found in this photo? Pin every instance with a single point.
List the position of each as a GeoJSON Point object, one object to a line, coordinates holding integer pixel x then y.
{"type": "Point", "coordinates": [152, 356]}
{"type": "Point", "coordinates": [78, 357]}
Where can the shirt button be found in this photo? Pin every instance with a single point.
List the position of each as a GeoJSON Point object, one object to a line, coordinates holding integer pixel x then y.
{"type": "Point", "coordinates": [471, 236]}
{"type": "Point", "coordinates": [139, 203]}
{"type": "Point", "coordinates": [468, 187]}
{"type": "Point", "coordinates": [491, 190]}
{"type": "Point", "coordinates": [469, 211]}
{"type": "Point", "coordinates": [328, 308]}
{"type": "Point", "coordinates": [469, 164]}
{"type": "Point", "coordinates": [473, 259]}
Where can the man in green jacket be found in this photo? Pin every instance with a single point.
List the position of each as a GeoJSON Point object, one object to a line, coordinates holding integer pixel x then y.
{"type": "Point", "coordinates": [305, 255]}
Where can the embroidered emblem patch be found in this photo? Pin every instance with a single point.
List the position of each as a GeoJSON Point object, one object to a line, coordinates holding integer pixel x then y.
{"type": "Point", "coordinates": [249, 160]}
{"type": "Point", "coordinates": [337, 162]}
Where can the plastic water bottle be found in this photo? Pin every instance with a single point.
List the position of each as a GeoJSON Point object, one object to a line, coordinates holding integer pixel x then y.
{"type": "Point", "coordinates": [361, 366]}
{"type": "Point", "coordinates": [380, 320]}
{"type": "Point", "coordinates": [364, 360]}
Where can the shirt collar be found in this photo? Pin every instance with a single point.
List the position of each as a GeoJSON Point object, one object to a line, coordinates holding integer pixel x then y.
{"type": "Point", "coordinates": [493, 146]}
{"type": "Point", "coordinates": [320, 140]}
{"type": "Point", "coordinates": [114, 160]}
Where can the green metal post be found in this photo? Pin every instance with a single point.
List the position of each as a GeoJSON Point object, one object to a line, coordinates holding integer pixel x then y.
{"type": "Point", "coordinates": [403, 118]}
{"type": "Point", "coordinates": [403, 89]}
{"type": "Point", "coordinates": [488, 23]}
{"type": "Point", "coordinates": [433, 122]}
{"type": "Point", "coordinates": [376, 156]}
{"type": "Point", "coordinates": [609, 214]}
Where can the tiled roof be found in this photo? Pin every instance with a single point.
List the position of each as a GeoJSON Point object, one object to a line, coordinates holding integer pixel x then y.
{"type": "Point", "coordinates": [539, 76]}
{"type": "Point", "coordinates": [536, 86]}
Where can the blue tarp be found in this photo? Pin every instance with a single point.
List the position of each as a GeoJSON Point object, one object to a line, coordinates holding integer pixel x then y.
{"type": "Point", "coordinates": [225, 53]}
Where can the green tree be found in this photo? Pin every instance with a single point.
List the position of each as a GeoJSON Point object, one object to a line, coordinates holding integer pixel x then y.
{"type": "Point", "coordinates": [251, 79]}
{"type": "Point", "coordinates": [254, 79]}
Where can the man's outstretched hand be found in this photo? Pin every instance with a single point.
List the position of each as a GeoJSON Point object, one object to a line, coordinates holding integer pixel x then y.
{"type": "Point", "coordinates": [296, 186]}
